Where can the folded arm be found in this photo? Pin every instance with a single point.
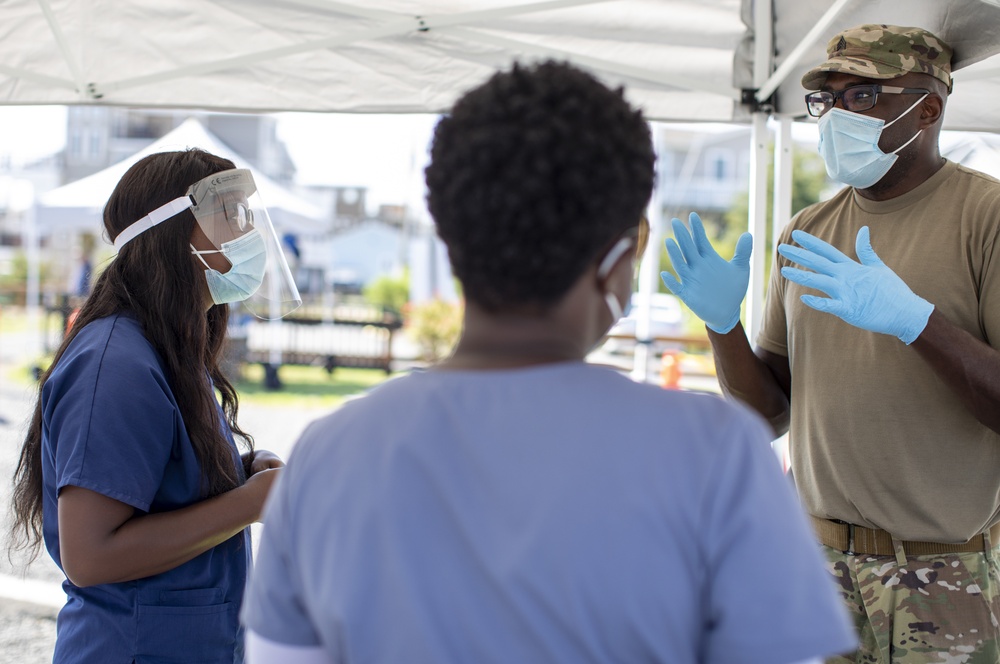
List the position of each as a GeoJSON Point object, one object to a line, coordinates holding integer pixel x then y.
{"type": "Point", "coordinates": [102, 540]}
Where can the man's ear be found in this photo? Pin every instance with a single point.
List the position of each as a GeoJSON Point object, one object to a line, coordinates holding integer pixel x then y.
{"type": "Point", "coordinates": [931, 110]}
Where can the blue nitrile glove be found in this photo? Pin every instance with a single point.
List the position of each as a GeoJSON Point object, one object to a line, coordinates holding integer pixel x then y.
{"type": "Point", "coordinates": [867, 294]}
{"type": "Point", "coordinates": [712, 287]}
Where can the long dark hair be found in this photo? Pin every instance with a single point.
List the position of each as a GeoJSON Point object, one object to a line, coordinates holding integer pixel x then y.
{"type": "Point", "coordinates": [154, 278]}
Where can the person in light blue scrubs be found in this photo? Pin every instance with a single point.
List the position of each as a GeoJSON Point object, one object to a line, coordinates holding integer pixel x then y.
{"type": "Point", "coordinates": [130, 472]}
{"type": "Point", "coordinates": [515, 503]}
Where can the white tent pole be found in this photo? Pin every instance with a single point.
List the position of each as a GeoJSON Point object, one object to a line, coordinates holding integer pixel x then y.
{"type": "Point", "coordinates": [792, 59]}
{"type": "Point", "coordinates": [782, 178]}
{"type": "Point", "coordinates": [757, 223]}
{"type": "Point", "coordinates": [649, 270]}
{"type": "Point", "coordinates": [32, 295]}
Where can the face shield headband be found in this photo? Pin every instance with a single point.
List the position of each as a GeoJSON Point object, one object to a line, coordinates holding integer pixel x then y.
{"type": "Point", "coordinates": [229, 212]}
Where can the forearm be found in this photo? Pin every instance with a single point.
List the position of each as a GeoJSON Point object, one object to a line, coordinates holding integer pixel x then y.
{"type": "Point", "coordinates": [745, 376]}
{"type": "Point", "coordinates": [150, 544]}
{"type": "Point", "coordinates": [968, 366]}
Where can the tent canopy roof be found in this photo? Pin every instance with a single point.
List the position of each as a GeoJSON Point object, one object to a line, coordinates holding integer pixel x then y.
{"type": "Point", "coordinates": [680, 59]}
{"type": "Point", "coordinates": [79, 204]}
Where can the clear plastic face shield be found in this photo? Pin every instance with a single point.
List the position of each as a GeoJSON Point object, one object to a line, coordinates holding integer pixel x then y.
{"type": "Point", "coordinates": [229, 212]}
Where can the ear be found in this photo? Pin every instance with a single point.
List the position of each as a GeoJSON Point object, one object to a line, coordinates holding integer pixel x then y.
{"type": "Point", "coordinates": [931, 110]}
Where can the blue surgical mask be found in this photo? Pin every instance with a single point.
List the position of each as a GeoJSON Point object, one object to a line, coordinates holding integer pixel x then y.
{"type": "Point", "coordinates": [248, 256]}
{"type": "Point", "coordinates": [848, 143]}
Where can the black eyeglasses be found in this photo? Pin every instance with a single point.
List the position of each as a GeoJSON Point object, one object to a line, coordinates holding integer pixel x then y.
{"type": "Point", "coordinates": [855, 99]}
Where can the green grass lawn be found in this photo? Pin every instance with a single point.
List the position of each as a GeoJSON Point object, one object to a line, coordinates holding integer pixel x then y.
{"type": "Point", "coordinates": [306, 386]}
{"type": "Point", "coordinates": [310, 387]}
{"type": "Point", "coordinates": [301, 386]}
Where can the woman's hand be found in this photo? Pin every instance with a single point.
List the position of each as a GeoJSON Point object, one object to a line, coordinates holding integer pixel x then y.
{"type": "Point", "coordinates": [259, 486]}
{"type": "Point", "coordinates": [258, 460]}
{"type": "Point", "coordinates": [265, 460]}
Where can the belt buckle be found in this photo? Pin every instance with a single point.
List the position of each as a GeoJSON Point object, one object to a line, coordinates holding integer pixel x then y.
{"type": "Point", "coordinates": [850, 540]}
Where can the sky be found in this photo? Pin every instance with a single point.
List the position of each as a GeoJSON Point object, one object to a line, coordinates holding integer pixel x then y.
{"type": "Point", "coordinates": [29, 132]}
{"type": "Point", "coordinates": [353, 148]}
{"type": "Point", "coordinates": [385, 153]}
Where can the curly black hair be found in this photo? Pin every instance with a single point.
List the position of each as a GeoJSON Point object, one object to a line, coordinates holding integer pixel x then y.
{"type": "Point", "coordinates": [532, 174]}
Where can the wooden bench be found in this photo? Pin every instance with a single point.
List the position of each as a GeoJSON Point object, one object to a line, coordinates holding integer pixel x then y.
{"type": "Point", "coordinates": [327, 343]}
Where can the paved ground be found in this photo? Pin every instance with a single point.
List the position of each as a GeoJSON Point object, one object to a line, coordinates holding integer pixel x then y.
{"type": "Point", "coordinates": [27, 633]}
{"type": "Point", "coordinates": [27, 623]}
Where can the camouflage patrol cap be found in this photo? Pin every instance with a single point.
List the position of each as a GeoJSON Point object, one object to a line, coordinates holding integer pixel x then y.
{"type": "Point", "coordinates": [882, 52]}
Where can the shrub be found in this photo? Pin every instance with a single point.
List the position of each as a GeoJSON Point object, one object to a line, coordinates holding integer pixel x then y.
{"type": "Point", "coordinates": [435, 326]}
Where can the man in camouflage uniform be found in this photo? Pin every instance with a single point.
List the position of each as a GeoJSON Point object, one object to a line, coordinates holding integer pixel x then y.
{"type": "Point", "coordinates": [892, 403]}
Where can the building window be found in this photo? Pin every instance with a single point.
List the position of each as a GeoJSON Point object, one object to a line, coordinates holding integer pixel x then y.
{"type": "Point", "coordinates": [93, 144]}
{"type": "Point", "coordinates": [719, 165]}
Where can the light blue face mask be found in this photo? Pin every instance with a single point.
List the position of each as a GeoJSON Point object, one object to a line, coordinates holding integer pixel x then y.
{"type": "Point", "coordinates": [248, 256]}
{"type": "Point", "coordinates": [848, 143]}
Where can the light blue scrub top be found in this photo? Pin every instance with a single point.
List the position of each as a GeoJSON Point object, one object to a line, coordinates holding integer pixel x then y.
{"type": "Point", "coordinates": [110, 424]}
{"type": "Point", "coordinates": [559, 513]}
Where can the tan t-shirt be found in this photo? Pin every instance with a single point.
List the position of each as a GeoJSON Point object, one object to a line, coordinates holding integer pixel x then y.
{"type": "Point", "coordinates": [877, 439]}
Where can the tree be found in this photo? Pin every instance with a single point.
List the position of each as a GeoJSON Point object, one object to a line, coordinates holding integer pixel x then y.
{"type": "Point", "coordinates": [389, 292]}
{"type": "Point", "coordinates": [808, 182]}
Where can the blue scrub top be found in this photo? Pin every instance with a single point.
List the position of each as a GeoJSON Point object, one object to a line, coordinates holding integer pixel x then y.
{"type": "Point", "coordinates": [110, 424]}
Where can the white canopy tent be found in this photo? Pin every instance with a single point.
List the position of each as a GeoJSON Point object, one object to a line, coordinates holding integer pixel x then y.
{"type": "Point", "coordinates": [78, 205]}
{"type": "Point", "coordinates": [681, 60]}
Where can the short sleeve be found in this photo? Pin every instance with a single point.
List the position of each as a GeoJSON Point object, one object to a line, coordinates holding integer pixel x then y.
{"type": "Point", "coordinates": [771, 598]}
{"type": "Point", "coordinates": [110, 417]}
{"type": "Point", "coordinates": [989, 289]}
{"type": "Point", "coordinates": [274, 606]}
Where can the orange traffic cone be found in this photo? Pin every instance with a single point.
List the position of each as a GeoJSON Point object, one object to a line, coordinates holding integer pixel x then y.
{"type": "Point", "coordinates": [670, 370]}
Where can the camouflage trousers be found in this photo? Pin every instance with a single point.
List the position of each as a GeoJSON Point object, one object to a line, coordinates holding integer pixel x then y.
{"type": "Point", "coordinates": [940, 609]}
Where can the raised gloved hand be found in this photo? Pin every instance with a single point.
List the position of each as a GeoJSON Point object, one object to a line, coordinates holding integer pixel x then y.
{"type": "Point", "coordinates": [712, 287]}
{"type": "Point", "coordinates": [867, 294]}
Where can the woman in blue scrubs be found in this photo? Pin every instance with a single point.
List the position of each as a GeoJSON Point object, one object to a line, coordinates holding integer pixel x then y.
{"type": "Point", "coordinates": [130, 473]}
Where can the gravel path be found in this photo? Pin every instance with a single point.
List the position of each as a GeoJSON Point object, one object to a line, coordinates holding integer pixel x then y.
{"type": "Point", "coordinates": [27, 633]}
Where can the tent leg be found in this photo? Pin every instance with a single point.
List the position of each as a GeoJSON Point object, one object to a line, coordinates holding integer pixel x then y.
{"type": "Point", "coordinates": [649, 273]}
{"type": "Point", "coordinates": [757, 223]}
{"type": "Point", "coordinates": [782, 179]}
